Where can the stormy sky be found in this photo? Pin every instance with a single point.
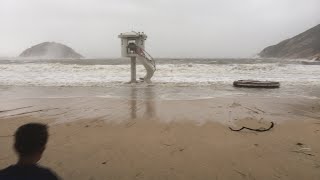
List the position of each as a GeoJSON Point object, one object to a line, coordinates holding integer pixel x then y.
{"type": "Point", "coordinates": [176, 28]}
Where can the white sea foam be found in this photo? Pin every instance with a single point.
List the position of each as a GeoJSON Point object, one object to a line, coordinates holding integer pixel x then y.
{"type": "Point", "coordinates": [56, 74]}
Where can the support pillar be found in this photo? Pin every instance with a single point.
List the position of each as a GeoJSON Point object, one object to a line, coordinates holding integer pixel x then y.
{"type": "Point", "coordinates": [133, 70]}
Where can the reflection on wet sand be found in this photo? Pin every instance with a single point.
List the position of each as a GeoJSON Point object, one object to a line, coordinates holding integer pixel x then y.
{"type": "Point", "coordinates": [150, 105]}
{"type": "Point", "coordinates": [133, 103]}
{"type": "Point", "coordinates": [148, 97]}
{"type": "Point", "coordinates": [145, 102]}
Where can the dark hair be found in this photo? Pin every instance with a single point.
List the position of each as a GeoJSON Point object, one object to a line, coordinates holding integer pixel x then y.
{"type": "Point", "coordinates": [31, 138]}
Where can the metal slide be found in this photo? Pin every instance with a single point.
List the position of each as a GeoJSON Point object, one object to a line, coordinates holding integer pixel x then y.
{"type": "Point", "coordinates": [149, 63]}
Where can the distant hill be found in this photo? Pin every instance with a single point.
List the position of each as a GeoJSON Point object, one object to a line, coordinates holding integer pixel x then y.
{"type": "Point", "coordinates": [50, 50]}
{"type": "Point", "coordinates": [305, 45]}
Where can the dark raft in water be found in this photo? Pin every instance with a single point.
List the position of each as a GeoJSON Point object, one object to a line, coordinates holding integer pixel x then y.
{"type": "Point", "coordinates": [256, 84]}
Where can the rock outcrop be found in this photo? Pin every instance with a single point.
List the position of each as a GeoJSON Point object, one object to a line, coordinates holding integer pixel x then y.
{"type": "Point", "coordinates": [50, 50]}
{"type": "Point", "coordinates": [305, 45]}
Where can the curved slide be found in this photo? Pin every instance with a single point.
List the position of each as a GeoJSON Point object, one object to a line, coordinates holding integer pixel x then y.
{"type": "Point", "coordinates": [150, 67]}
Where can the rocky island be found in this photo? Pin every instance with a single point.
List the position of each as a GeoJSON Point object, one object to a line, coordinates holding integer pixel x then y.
{"type": "Point", "coordinates": [303, 46]}
{"type": "Point", "coordinates": [50, 50]}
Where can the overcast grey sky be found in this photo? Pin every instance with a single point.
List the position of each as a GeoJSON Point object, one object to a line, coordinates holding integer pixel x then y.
{"type": "Point", "coordinates": [176, 28]}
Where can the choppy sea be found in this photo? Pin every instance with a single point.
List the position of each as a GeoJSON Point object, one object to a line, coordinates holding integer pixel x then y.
{"type": "Point", "coordinates": [212, 75]}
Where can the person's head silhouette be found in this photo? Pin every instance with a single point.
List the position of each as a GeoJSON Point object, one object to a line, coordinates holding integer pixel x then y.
{"type": "Point", "coordinates": [30, 142]}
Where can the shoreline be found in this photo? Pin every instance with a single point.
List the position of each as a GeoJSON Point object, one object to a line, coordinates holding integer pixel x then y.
{"type": "Point", "coordinates": [225, 110]}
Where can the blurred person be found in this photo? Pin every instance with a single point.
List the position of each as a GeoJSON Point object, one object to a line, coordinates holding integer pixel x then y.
{"type": "Point", "coordinates": [30, 143]}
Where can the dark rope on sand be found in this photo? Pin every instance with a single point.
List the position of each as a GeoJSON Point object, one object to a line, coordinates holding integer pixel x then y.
{"type": "Point", "coordinates": [251, 129]}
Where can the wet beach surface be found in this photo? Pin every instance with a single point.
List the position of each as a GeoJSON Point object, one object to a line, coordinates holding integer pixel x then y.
{"type": "Point", "coordinates": [198, 104]}
{"type": "Point", "coordinates": [103, 138]}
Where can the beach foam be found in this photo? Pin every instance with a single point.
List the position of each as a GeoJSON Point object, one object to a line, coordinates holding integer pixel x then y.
{"type": "Point", "coordinates": [189, 74]}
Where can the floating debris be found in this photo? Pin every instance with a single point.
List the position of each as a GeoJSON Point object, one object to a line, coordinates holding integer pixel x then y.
{"type": "Point", "coordinates": [256, 84]}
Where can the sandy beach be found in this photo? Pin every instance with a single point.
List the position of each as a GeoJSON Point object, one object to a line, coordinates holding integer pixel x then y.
{"type": "Point", "coordinates": [150, 138]}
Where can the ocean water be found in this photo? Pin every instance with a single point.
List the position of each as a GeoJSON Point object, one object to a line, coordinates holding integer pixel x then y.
{"type": "Point", "coordinates": [211, 75]}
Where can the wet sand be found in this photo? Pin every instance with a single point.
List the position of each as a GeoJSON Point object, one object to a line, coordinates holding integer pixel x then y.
{"type": "Point", "coordinates": [117, 138]}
